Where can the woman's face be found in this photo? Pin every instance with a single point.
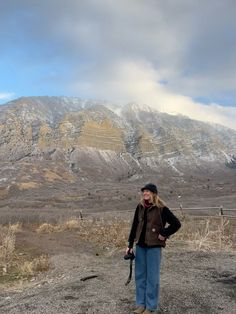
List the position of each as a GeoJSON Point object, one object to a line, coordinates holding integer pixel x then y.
{"type": "Point", "coordinates": [147, 195]}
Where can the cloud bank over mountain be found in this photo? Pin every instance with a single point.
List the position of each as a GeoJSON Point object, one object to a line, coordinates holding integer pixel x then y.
{"type": "Point", "coordinates": [176, 56]}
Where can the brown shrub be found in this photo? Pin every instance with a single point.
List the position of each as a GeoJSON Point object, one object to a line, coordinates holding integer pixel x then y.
{"type": "Point", "coordinates": [46, 228]}
{"type": "Point", "coordinates": [196, 232]}
{"type": "Point", "coordinates": [16, 227]}
{"type": "Point", "coordinates": [72, 223]}
{"type": "Point", "coordinates": [30, 268]}
{"type": "Point", "coordinates": [107, 232]}
{"type": "Point", "coordinates": [10, 261]}
{"type": "Point", "coordinates": [7, 248]}
{"type": "Point", "coordinates": [206, 234]}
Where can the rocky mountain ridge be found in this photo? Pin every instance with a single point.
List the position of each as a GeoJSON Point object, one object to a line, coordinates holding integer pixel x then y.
{"type": "Point", "coordinates": [40, 125]}
{"type": "Point", "coordinates": [53, 149]}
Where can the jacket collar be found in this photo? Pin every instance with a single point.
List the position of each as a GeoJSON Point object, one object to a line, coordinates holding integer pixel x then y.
{"type": "Point", "coordinates": [148, 208]}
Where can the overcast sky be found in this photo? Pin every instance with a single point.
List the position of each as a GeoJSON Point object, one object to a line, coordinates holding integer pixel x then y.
{"type": "Point", "coordinates": [175, 55]}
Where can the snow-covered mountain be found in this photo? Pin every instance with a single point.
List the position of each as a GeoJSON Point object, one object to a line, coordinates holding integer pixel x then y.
{"type": "Point", "coordinates": [97, 136]}
{"type": "Point", "coordinates": [53, 149]}
{"type": "Point", "coordinates": [61, 122]}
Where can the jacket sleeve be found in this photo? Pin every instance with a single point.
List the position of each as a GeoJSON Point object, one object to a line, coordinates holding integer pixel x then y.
{"type": "Point", "coordinates": [172, 220]}
{"type": "Point", "coordinates": [133, 229]}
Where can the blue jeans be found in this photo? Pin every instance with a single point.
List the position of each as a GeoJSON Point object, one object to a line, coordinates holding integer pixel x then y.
{"type": "Point", "coordinates": [147, 277]}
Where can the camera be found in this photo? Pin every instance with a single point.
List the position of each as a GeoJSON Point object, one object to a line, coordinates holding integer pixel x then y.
{"type": "Point", "coordinates": [130, 256]}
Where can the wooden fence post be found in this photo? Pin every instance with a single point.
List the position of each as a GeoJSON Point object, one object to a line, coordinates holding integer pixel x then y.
{"type": "Point", "coordinates": [221, 226]}
{"type": "Point", "coordinates": [181, 210]}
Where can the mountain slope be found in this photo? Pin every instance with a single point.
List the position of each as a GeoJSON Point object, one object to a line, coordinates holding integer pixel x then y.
{"type": "Point", "coordinates": [54, 148]}
{"type": "Point", "coordinates": [38, 125]}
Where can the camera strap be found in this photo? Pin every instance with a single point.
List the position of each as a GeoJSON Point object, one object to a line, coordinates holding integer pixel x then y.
{"type": "Point", "coordinates": [130, 272]}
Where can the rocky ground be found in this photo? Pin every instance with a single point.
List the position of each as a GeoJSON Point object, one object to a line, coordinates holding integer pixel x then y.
{"type": "Point", "coordinates": [192, 282]}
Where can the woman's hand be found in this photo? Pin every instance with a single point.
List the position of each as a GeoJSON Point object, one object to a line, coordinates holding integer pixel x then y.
{"type": "Point", "coordinates": [128, 250]}
{"type": "Point", "coordinates": [160, 237]}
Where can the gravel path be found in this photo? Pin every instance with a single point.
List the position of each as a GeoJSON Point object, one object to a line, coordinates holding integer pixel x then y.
{"type": "Point", "coordinates": [191, 282]}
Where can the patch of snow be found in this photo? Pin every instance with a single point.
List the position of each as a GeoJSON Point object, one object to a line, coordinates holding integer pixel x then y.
{"type": "Point", "coordinates": [228, 158]}
{"type": "Point", "coordinates": [171, 161]}
{"type": "Point", "coordinates": [116, 109]}
{"type": "Point", "coordinates": [135, 160]}
{"type": "Point", "coordinates": [107, 155]}
{"type": "Point", "coordinates": [211, 157]}
{"type": "Point", "coordinates": [122, 158]}
{"type": "Point", "coordinates": [150, 162]}
{"type": "Point", "coordinates": [140, 107]}
{"type": "Point", "coordinates": [135, 177]}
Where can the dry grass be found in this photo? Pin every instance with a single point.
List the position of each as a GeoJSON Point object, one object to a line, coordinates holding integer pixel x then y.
{"type": "Point", "coordinates": [7, 248]}
{"type": "Point", "coordinates": [207, 234]}
{"type": "Point", "coordinates": [12, 264]}
{"type": "Point", "coordinates": [51, 176]}
{"type": "Point", "coordinates": [39, 264]}
{"type": "Point", "coordinates": [4, 191]}
{"type": "Point", "coordinates": [28, 185]}
{"type": "Point", "coordinates": [196, 233]}
{"type": "Point", "coordinates": [108, 233]}
{"type": "Point", "coordinates": [71, 224]}
{"type": "Point", "coordinates": [46, 228]}
{"type": "Point", "coordinates": [17, 227]}
{"type": "Point", "coordinates": [111, 232]}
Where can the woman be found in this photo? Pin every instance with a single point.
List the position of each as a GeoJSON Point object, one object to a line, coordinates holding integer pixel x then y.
{"type": "Point", "coordinates": [149, 232]}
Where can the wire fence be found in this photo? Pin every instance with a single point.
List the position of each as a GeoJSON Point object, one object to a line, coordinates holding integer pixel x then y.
{"type": "Point", "coordinates": [204, 222]}
{"type": "Point", "coordinates": [224, 221]}
{"type": "Point", "coordinates": [219, 212]}
{"type": "Point", "coordinates": [37, 217]}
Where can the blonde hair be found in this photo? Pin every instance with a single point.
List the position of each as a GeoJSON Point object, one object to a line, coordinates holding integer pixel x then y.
{"type": "Point", "coordinates": [155, 199]}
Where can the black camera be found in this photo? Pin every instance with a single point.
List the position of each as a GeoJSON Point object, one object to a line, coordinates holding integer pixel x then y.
{"type": "Point", "coordinates": [129, 255]}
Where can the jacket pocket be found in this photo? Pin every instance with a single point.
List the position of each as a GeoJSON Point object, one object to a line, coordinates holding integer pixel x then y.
{"type": "Point", "coordinates": [154, 231]}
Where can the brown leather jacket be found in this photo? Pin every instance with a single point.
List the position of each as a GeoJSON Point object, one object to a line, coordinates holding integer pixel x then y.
{"type": "Point", "coordinates": [153, 228]}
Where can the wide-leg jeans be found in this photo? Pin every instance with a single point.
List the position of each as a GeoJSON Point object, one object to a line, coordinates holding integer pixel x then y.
{"type": "Point", "coordinates": [147, 276]}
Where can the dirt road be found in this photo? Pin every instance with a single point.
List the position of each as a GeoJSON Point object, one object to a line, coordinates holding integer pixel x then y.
{"type": "Point", "coordinates": [191, 282]}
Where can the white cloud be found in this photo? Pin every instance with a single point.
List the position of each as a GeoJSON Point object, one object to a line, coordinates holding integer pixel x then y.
{"type": "Point", "coordinates": [191, 44]}
{"type": "Point", "coordinates": [126, 50]}
{"type": "Point", "coordinates": [137, 81]}
{"type": "Point", "coordinates": [6, 96]}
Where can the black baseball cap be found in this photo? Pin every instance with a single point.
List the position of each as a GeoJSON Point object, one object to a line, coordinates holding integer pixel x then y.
{"type": "Point", "coordinates": [150, 187]}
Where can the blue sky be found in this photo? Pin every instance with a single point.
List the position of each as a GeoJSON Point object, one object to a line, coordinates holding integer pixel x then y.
{"type": "Point", "coordinates": [177, 56]}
